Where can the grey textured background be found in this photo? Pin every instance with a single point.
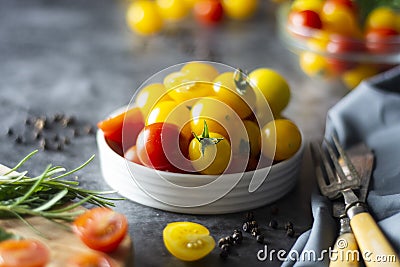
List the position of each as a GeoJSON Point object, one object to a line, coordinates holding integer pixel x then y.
{"type": "Point", "coordinates": [78, 58]}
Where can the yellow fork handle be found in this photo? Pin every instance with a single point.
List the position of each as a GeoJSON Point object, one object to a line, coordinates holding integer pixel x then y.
{"type": "Point", "coordinates": [375, 248]}
{"type": "Point", "coordinates": [345, 252]}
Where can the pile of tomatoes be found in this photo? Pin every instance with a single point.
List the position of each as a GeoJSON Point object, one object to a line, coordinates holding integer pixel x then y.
{"type": "Point", "coordinates": [336, 31]}
{"type": "Point", "coordinates": [148, 17]}
{"type": "Point", "coordinates": [199, 120]}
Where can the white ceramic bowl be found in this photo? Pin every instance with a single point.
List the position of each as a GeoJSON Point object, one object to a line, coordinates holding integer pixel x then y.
{"type": "Point", "coordinates": [196, 193]}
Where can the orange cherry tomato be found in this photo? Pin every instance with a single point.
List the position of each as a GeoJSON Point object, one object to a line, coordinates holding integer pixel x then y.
{"type": "Point", "coordinates": [88, 259]}
{"type": "Point", "coordinates": [101, 228]}
{"type": "Point", "coordinates": [23, 253]}
{"type": "Point", "coordinates": [131, 121]}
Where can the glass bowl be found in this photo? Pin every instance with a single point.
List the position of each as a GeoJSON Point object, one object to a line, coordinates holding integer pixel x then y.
{"type": "Point", "coordinates": [338, 56]}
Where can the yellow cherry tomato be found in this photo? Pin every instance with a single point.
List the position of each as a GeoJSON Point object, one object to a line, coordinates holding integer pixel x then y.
{"type": "Point", "coordinates": [149, 95]}
{"type": "Point", "coordinates": [381, 17]}
{"type": "Point", "coordinates": [353, 77]}
{"type": "Point", "coordinates": [282, 137]}
{"type": "Point", "coordinates": [210, 155]}
{"type": "Point", "coordinates": [172, 112]}
{"type": "Point", "coordinates": [201, 70]}
{"type": "Point", "coordinates": [188, 241]}
{"type": "Point", "coordinates": [240, 101]}
{"type": "Point", "coordinates": [173, 10]}
{"type": "Point", "coordinates": [340, 19]}
{"type": "Point", "coordinates": [254, 137]}
{"type": "Point", "coordinates": [184, 86]}
{"type": "Point", "coordinates": [314, 5]}
{"type": "Point", "coordinates": [144, 18]}
{"type": "Point", "coordinates": [272, 87]}
{"type": "Point", "coordinates": [313, 64]}
{"type": "Point", "coordinates": [239, 9]}
{"type": "Point", "coordinates": [219, 117]}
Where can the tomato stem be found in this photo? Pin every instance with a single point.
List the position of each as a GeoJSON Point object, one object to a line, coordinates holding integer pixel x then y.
{"type": "Point", "coordinates": [205, 139]}
{"type": "Point", "coordinates": [241, 82]}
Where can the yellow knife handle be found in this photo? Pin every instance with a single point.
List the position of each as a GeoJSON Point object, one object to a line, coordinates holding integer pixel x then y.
{"type": "Point", "coordinates": [374, 247]}
{"type": "Point", "coordinates": [345, 252]}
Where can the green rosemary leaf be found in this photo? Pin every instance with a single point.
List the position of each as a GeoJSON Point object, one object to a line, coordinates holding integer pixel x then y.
{"type": "Point", "coordinates": [52, 202]}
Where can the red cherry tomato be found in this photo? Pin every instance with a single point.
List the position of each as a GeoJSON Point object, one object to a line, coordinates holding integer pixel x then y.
{"type": "Point", "coordinates": [101, 228]}
{"type": "Point", "coordinates": [339, 47]}
{"type": "Point", "coordinates": [208, 12]}
{"type": "Point", "coordinates": [86, 259]}
{"type": "Point", "coordinates": [127, 124]}
{"type": "Point", "coordinates": [379, 40]}
{"type": "Point", "coordinates": [160, 142]}
{"type": "Point", "coordinates": [305, 18]}
{"type": "Point", "coordinates": [23, 253]}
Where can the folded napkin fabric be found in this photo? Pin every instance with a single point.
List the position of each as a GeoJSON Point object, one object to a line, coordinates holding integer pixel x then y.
{"type": "Point", "coordinates": [370, 114]}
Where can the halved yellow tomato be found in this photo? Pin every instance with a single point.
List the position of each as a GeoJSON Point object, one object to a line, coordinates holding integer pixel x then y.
{"type": "Point", "coordinates": [188, 241]}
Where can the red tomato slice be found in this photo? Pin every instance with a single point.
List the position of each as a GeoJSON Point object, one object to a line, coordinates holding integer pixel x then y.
{"type": "Point", "coordinates": [88, 259]}
{"type": "Point", "coordinates": [101, 228]}
{"type": "Point", "coordinates": [23, 253]}
{"type": "Point", "coordinates": [131, 122]}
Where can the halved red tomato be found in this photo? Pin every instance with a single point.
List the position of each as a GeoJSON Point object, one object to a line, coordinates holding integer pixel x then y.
{"type": "Point", "coordinates": [88, 259]}
{"type": "Point", "coordinates": [23, 253]}
{"type": "Point", "coordinates": [131, 121]}
{"type": "Point", "coordinates": [101, 228]}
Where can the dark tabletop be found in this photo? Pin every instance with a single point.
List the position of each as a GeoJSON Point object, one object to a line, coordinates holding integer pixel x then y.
{"type": "Point", "coordinates": [78, 58]}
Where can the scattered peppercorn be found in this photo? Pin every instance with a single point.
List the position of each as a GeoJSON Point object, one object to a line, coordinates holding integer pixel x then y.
{"type": "Point", "coordinates": [288, 225]}
{"type": "Point", "coordinates": [254, 231]}
{"type": "Point", "coordinates": [246, 227]}
{"type": "Point", "coordinates": [290, 232]}
{"type": "Point", "coordinates": [253, 224]}
{"type": "Point", "coordinates": [273, 224]}
{"type": "Point", "coordinates": [10, 131]}
{"type": "Point", "coordinates": [221, 241]}
{"type": "Point", "coordinates": [19, 139]}
{"type": "Point", "coordinates": [260, 238]}
{"type": "Point", "coordinates": [224, 254]}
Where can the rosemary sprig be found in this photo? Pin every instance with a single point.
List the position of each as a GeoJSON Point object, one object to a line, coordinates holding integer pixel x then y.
{"type": "Point", "coordinates": [46, 195]}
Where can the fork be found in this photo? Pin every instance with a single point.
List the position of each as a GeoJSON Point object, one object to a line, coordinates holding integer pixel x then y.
{"type": "Point", "coordinates": [372, 243]}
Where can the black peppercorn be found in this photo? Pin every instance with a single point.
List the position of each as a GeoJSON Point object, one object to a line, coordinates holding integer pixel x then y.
{"type": "Point", "coordinates": [288, 225]}
{"type": "Point", "coordinates": [246, 227]}
{"type": "Point", "coordinates": [273, 224]}
{"type": "Point", "coordinates": [221, 241]}
{"type": "Point", "coordinates": [290, 232]}
{"type": "Point", "coordinates": [260, 238]}
{"type": "Point", "coordinates": [226, 247]}
{"type": "Point", "coordinates": [253, 224]}
{"type": "Point", "coordinates": [255, 231]}
{"type": "Point", "coordinates": [237, 238]}
{"type": "Point", "coordinates": [10, 131]}
{"type": "Point", "coordinates": [237, 231]}
{"type": "Point", "coordinates": [19, 139]}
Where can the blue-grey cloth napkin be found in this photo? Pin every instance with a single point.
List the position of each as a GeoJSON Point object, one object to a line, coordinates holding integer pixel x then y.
{"type": "Point", "coordinates": [370, 113]}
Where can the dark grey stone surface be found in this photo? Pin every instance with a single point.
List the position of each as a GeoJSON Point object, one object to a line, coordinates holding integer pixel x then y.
{"type": "Point", "coordinates": [78, 58]}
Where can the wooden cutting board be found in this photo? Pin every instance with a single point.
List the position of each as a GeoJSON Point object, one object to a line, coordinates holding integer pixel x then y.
{"type": "Point", "coordinates": [61, 241]}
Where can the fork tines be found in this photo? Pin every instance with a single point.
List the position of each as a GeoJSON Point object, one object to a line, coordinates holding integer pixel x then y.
{"type": "Point", "coordinates": [330, 176]}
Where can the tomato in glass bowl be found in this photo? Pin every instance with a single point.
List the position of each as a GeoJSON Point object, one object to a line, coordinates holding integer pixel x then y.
{"type": "Point", "coordinates": [341, 39]}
